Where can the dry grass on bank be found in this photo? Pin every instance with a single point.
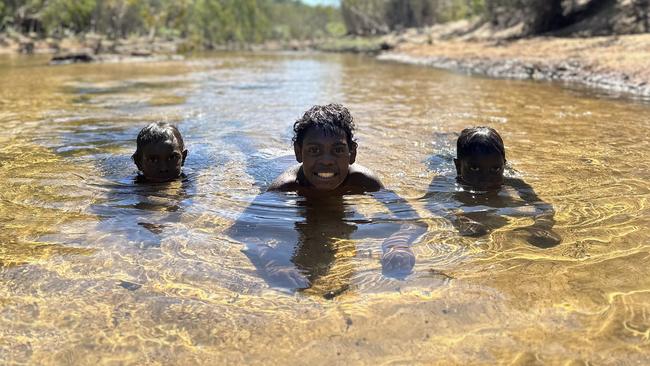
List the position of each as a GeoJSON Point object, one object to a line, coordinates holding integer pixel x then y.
{"type": "Point", "coordinates": [629, 54]}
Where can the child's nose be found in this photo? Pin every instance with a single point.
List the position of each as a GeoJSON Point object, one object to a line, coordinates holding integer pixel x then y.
{"type": "Point", "coordinates": [167, 167]}
{"type": "Point", "coordinates": [328, 159]}
{"type": "Point", "coordinates": [328, 163]}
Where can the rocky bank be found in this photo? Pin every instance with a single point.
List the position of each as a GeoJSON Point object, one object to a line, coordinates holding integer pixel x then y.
{"type": "Point", "coordinates": [618, 62]}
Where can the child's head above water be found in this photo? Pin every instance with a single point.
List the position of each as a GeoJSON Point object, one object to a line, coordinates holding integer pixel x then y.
{"type": "Point", "coordinates": [160, 152]}
{"type": "Point", "coordinates": [323, 142]}
{"type": "Point", "coordinates": [480, 158]}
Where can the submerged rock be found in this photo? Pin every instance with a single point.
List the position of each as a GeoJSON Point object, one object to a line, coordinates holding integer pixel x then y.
{"type": "Point", "coordinates": [141, 53]}
{"type": "Point", "coordinates": [72, 57]}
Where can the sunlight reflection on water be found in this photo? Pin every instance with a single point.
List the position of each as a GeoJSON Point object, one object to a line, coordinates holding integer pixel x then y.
{"type": "Point", "coordinates": [97, 269]}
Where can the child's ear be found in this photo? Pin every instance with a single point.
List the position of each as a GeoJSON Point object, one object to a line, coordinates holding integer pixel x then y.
{"type": "Point", "coordinates": [297, 149]}
{"type": "Point", "coordinates": [136, 160]}
{"type": "Point", "coordinates": [457, 164]}
{"type": "Point", "coordinates": [184, 157]}
{"type": "Point", "coordinates": [353, 154]}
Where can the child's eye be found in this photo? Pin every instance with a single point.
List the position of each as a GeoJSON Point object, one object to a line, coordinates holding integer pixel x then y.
{"type": "Point", "coordinates": [312, 150]}
{"type": "Point", "coordinates": [474, 168]}
{"type": "Point", "coordinates": [339, 150]}
{"type": "Point", "coordinates": [153, 159]}
{"type": "Point", "coordinates": [495, 169]}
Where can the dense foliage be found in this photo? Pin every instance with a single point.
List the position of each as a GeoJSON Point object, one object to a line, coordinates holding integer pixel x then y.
{"type": "Point", "coordinates": [210, 22]}
{"type": "Point", "coordinates": [525, 17]}
{"type": "Point", "coordinates": [215, 22]}
{"type": "Point", "coordinates": [381, 16]}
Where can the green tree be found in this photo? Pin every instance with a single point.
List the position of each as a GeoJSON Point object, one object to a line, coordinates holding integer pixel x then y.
{"type": "Point", "coordinates": [205, 22]}
{"type": "Point", "coordinates": [71, 14]}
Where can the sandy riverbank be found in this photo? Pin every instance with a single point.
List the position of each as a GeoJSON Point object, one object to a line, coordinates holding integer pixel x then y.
{"type": "Point", "coordinates": [92, 48]}
{"type": "Point", "coordinates": [617, 63]}
{"type": "Point", "coordinates": [98, 48]}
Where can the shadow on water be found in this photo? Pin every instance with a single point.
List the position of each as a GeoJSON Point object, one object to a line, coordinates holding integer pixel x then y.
{"type": "Point", "coordinates": [308, 244]}
{"type": "Point", "coordinates": [293, 241]}
{"type": "Point", "coordinates": [262, 166]}
{"type": "Point", "coordinates": [311, 244]}
{"type": "Point", "coordinates": [477, 214]}
{"type": "Point", "coordinates": [136, 211]}
{"type": "Point", "coordinates": [140, 211]}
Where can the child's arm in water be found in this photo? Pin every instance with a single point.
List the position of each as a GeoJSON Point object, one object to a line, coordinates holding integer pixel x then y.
{"type": "Point", "coordinates": [397, 258]}
{"type": "Point", "coordinates": [440, 188]}
{"type": "Point", "coordinates": [540, 233]}
{"type": "Point", "coordinates": [256, 228]}
{"type": "Point", "coordinates": [277, 269]}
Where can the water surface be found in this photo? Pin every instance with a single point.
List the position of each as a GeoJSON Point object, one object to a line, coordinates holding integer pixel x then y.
{"type": "Point", "coordinates": [97, 269]}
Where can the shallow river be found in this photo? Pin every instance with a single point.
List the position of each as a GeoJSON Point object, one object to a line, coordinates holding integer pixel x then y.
{"type": "Point", "coordinates": [95, 269]}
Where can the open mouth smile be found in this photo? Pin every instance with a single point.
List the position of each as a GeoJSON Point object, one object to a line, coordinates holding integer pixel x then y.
{"type": "Point", "coordinates": [325, 175]}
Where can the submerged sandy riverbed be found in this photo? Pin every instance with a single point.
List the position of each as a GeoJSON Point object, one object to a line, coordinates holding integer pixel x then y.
{"type": "Point", "coordinates": [97, 270]}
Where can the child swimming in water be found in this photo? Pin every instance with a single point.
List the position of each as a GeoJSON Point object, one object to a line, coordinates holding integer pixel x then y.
{"type": "Point", "coordinates": [160, 153]}
{"type": "Point", "coordinates": [326, 153]}
{"type": "Point", "coordinates": [483, 190]}
{"type": "Point", "coordinates": [325, 150]}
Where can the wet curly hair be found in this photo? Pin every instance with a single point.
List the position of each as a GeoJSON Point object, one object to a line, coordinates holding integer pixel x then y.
{"type": "Point", "coordinates": [333, 119]}
{"type": "Point", "coordinates": [157, 132]}
{"type": "Point", "coordinates": [481, 139]}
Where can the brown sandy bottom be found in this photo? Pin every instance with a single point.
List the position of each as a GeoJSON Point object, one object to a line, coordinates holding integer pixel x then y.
{"type": "Point", "coordinates": [83, 282]}
{"type": "Point", "coordinates": [468, 321]}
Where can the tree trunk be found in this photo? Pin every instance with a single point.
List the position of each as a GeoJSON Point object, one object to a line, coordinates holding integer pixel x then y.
{"type": "Point", "coordinates": [537, 16]}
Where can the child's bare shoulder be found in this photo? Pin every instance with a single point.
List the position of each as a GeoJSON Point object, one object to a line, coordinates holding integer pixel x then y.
{"type": "Point", "coordinates": [287, 181]}
{"type": "Point", "coordinates": [363, 179]}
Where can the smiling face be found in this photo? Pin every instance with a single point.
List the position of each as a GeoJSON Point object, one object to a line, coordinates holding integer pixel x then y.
{"type": "Point", "coordinates": [325, 158]}
{"type": "Point", "coordinates": [161, 161]}
{"type": "Point", "coordinates": [481, 171]}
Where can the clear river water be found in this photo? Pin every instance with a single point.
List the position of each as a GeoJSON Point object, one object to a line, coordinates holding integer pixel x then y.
{"type": "Point", "coordinates": [95, 269]}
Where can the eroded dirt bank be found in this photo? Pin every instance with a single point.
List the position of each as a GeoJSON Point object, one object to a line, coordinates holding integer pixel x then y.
{"type": "Point", "coordinates": [618, 63]}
